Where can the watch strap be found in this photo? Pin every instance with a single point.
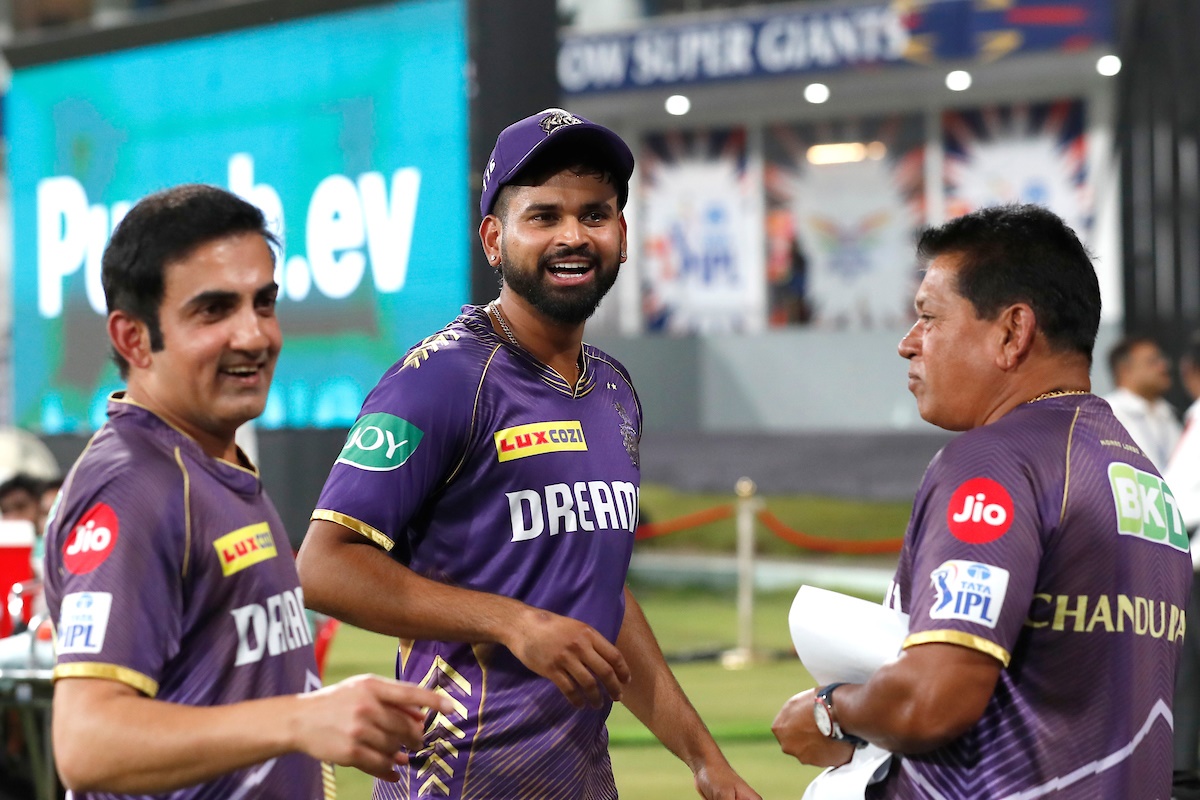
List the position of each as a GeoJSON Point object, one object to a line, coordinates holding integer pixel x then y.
{"type": "Point", "coordinates": [825, 697]}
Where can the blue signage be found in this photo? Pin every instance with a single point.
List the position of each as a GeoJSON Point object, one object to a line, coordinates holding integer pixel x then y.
{"type": "Point", "coordinates": [349, 130]}
{"type": "Point", "coordinates": [824, 40]}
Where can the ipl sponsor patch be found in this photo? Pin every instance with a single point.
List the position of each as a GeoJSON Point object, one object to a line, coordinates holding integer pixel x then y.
{"type": "Point", "coordinates": [539, 437]}
{"type": "Point", "coordinates": [968, 591]}
{"type": "Point", "coordinates": [980, 511]}
{"type": "Point", "coordinates": [245, 547]}
{"type": "Point", "coordinates": [380, 442]}
{"type": "Point", "coordinates": [83, 621]}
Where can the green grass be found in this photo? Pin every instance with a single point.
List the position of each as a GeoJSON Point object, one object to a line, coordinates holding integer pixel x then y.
{"type": "Point", "coordinates": [825, 517]}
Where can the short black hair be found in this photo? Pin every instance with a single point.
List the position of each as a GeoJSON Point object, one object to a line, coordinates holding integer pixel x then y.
{"type": "Point", "coordinates": [161, 229]}
{"type": "Point", "coordinates": [554, 159]}
{"type": "Point", "coordinates": [1023, 254]}
{"type": "Point", "coordinates": [21, 482]}
{"type": "Point", "coordinates": [1121, 350]}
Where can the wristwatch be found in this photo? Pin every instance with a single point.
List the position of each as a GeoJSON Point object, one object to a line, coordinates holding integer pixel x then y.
{"type": "Point", "coordinates": [826, 719]}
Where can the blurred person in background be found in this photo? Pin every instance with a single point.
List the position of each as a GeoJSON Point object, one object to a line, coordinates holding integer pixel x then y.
{"type": "Point", "coordinates": [1183, 476]}
{"type": "Point", "coordinates": [1036, 536]}
{"type": "Point", "coordinates": [185, 668]}
{"type": "Point", "coordinates": [20, 498]}
{"type": "Point", "coordinates": [484, 506]}
{"type": "Point", "coordinates": [1142, 375]}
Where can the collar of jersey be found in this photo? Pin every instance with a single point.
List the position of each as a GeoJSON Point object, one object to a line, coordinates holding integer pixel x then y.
{"type": "Point", "coordinates": [480, 323]}
{"type": "Point", "coordinates": [119, 404]}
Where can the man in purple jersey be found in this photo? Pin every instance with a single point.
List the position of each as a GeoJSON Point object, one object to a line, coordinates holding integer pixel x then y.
{"type": "Point", "coordinates": [483, 508]}
{"type": "Point", "coordinates": [1045, 569]}
{"type": "Point", "coordinates": [185, 666]}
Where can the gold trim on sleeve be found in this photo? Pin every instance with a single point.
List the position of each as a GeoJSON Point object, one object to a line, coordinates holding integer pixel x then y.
{"type": "Point", "coordinates": [355, 525]}
{"type": "Point", "coordinates": [110, 672]}
{"type": "Point", "coordinates": [962, 639]}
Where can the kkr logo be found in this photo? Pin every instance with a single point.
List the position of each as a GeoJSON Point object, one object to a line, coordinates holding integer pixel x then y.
{"type": "Point", "coordinates": [245, 547]}
{"type": "Point", "coordinates": [380, 442]}
{"type": "Point", "coordinates": [1146, 507]}
{"type": "Point", "coordinates": [538, 438]}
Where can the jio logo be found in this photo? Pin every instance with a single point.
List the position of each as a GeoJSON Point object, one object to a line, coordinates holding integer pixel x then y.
{"type": "Point", "coordinates": [92, 540]}
{"type": "Point", "coordinates": [980, 511]}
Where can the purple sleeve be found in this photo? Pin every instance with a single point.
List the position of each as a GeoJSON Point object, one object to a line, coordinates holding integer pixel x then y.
{"type": "Point", "coordinates": [975, 565]}
{"type": "Point", "coordinates": [409, 439]}
{"type": "Point", "coordinates": [115, 560]}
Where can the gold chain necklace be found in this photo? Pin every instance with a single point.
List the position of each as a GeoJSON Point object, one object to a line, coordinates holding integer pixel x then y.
{"type": "Point", "coordinates": [1057, 393]}
{"type": "Point", "coordinates": [494, 310]}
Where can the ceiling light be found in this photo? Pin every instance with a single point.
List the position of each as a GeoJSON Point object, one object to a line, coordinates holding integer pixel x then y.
{"type": "Point", "coordinates": [816, 93]}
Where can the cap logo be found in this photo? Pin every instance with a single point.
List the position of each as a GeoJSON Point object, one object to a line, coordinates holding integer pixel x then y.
{"type": "Point", "coordinates": [557, 118]}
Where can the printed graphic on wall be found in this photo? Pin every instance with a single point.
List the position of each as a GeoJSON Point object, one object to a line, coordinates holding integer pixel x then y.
{"type": "Point", "coordinates": [844, 200]}
{"type": "Point", "coordinates": [698, 270]}
{"type": "Point", "coordinates": [1019, 154]}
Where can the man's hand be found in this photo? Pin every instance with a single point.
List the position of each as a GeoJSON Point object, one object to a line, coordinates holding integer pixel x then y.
{"type": "Point", "coordinates": [572, 654]}
{"type": "Point", "coordinates": [798, 736]}
{"type": "Point", "coordinates": [720, 782]}
{"type": "Point", "coordinates": [365, 722]}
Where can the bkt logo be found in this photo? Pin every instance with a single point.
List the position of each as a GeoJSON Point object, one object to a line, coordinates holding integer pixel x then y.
{"type": "Point", "coordinates": [1145, 507]}
{"type": "Point", "coordinates": [969, 591]}
{"type": "Point", "coordinates": [980, 511]}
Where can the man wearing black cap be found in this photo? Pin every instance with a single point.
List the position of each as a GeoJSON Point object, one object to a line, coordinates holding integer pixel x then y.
{"type": "Point", "coordinates": [484, 506]}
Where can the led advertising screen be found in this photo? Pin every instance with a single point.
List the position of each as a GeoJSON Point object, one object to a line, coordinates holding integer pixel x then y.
{"type": "Point", "coordinates": [349, 130]}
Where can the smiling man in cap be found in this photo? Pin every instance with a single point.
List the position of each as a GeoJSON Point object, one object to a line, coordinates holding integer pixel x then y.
{"type": "Point", "coordinates": [484, 506]}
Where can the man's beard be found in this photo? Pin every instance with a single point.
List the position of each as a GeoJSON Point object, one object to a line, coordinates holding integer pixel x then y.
{"type": "Point", "coordinates": [571, 305]}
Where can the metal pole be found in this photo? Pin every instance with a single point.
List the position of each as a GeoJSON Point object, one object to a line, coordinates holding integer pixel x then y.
{"type": "Point", "coordinates": [747, 504]}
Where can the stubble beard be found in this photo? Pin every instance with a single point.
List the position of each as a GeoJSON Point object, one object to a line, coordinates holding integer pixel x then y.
{"type": "Point", "coordinates": [568, 305]}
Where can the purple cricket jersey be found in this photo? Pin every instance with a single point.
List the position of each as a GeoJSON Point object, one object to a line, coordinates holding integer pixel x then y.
{"type": "Point", "coordinates": [477, 466]}
{"type": "Point", "coordinates": [1048, 541]}
{"type": "Point", "coordinates": [169, 570]}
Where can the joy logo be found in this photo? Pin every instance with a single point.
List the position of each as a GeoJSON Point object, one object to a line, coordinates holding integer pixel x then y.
{"type": "Point", "coordinates": [92, 540]}
{"type": "Point", "coordinates": [380, 442]}
{"type": "Point", "coordinates": [980, 511]}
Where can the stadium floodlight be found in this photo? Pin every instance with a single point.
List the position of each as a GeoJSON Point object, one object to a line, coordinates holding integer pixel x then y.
{"type": "Point", "coordinates": [677, 105]}
{"type": "Point", "coordinates": [1108, 65]}
{"type": "Point", "coordinates": [816, 93]}
{"type": "Point", "coordinates": [958, 81]}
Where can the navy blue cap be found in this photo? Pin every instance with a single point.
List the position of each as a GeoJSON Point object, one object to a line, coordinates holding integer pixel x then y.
{"type": "Point", "coordinates": [519, 143]}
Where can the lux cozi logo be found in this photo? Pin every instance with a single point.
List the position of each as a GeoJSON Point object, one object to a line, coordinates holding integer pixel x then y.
{"type": "Point", "coordinates": [245, 547]}
{"type": "Point", "coordinates": [538, 438]}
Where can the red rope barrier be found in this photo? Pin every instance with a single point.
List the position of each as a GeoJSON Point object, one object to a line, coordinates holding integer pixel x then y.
{"type": "Point", "coordinates": [653, 529]}
{"type": "Point", "coordinates": [820, 545]}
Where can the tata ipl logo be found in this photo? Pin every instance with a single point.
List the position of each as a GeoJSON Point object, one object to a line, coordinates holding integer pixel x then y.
{"type": "Point", "coordinates": [968, 591]}
{"type": "Point", "coordinates": [1145, 507]}
{"type": "Point", "coordinates": [380, 442]}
